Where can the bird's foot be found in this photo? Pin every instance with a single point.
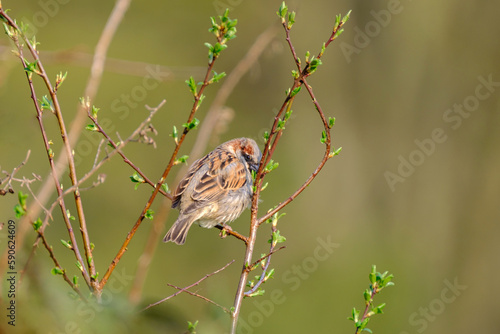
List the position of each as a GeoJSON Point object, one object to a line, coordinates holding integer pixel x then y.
{"type": "Point", "coordinates": [226, 229]}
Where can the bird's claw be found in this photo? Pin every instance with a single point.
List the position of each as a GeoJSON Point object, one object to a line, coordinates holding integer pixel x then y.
{"type": "Point", "coordinates": [224, 231]}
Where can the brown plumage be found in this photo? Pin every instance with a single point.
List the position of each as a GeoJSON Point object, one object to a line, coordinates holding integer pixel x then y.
{"type": "Point", "coordinates": [216, 189]}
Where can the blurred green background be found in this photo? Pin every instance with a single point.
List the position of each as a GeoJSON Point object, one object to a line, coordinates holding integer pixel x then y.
{"type": "Point", "coordinates": [415, 89]}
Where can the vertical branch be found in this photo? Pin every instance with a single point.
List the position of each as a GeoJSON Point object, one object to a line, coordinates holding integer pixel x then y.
{"type": "Point", "coordinates": [16, 32]}
{"type": "Point", "coordinates": [299, 80]}
{"type": "Point", "coordinates": [46, 190]}
{"type": "Point", "coordinates": [97, 66]}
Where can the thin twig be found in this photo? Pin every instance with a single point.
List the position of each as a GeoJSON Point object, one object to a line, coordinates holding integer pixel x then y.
{"type": "Point", "coordinates": [262, 277]}
{"type": "Point", "coordinates": [232, 232]}
{"type": "Point", "coordinates": [200, 296]}
{"type": "Point", "coordinates": [112, 65]}
{"type": "Point", "coordinates": [57, 265]}
{"type": "Point", "coordinates": [117, 148]}
{"type": "Point", "coordinates": [9, 178]}
{"type": "Point", "coordinates": [188, 287]}
{"type": "Point", "coordinates": [268, 255]}
{"type": "Point", "coordinates": [41, 72]}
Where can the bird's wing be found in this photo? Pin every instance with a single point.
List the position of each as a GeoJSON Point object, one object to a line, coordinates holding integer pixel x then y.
{"type": "Point", "coordinates": [225, 173]}
{"type": "Point", "coordinates": [185, 181]}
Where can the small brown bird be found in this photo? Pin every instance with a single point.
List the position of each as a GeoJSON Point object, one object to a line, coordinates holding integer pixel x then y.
{"type": "Point", "coordinates": [216, 189]}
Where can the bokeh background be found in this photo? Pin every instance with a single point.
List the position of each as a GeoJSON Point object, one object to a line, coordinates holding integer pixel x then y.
{"type": "Point", "coordinates": [415, 189]}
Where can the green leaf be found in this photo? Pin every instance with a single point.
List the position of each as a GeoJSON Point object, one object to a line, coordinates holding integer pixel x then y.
{"type": "Point", "coordinates": [75, 280]}
{"type": "Point", "coordinates": [280, 125]}
{"type": "Point", "coordinates": [337, 34]}
{"type": "Point", "coordinates": [282, 11]}
{"type": "Point", "coordinates": [367, 295]}
{"type": "Point", "coordinates": [149, 214]}
{"type": "Point", "coordinates": [295, 91]}
{"type": "Point", "coordinates": [331, 122]}
{"type": "Point", "coordinates": [338, 18]}
{"type": "Point", "coordinates": [66, 244]}
{"type": "Point", "coordinates": [354, 315]}
{"type": "Point", "coordinates": [363, 324]}
{"type": "Point", "coordinates": [323, 48]}
{"type": "Point", "coordinates": [346, 16]}
{"type": "Point", "coordinates": [95, 110]}
{"type": "Point", "coordinates": [386, 280]}
{"type": "Point", "coordinates": [22, 199]}
{"type": "Point", "coordinates": [31, 67]}
{"type": "Point", "coordinates": [8, 30]}
{"type": "Point", "coordinates": [259, 292]}
{"type": "Point", "coordinates": [192, 326]}
{"type": "Point", "coordinates": [46, 104]}
{"type": "Point", "coordinates": [60, 78]}
{"type": "Point", "coordinates": [92, 127]}
{"type": "Point", "coordinates": [379, 309]}
{"type": "Point", "coordinates": [271, 166]}
{"type": "Point", "coordinates": [323, 137]}
{"type": "Point", "coordinates": [270, 274]}
{"type": "Point", "coordinates": [191, 83]}
{"type": "Point", "coordinates": [277, 238]}
{"type": "Point", "coordinates": [165, 188]}
{"type": "Point", "coordinates": [175, 135]}
{"type": "Point", "coordinates": [373, 277]}
{"type": "Point", "coordinates": [68, 214]}
{"type": "Point", "coordinates": [136, 178]}
{"type": "Point", "coordinates": [20, 208]}
{"type": "Point", "coordinates": [57, 271]}
{"type": "Point", "coordinates": [19, 211]}
{"type": "Point", "coordinates": [313, 65]}
{"type": "Point", "coordinates": [181, 160]}
{"type": "Point", "coordinates": [266, 136]}
{"type": "Point", "coordinates": [218, 77]}
{"type": "Point", "coordinates": [291, 20]}
{"type": "Point", "coordinates": [78, 264]}
{"type": "Point", "coordinates": [192, 125]}
{"type": "Point", "coordinates": [37, 224]}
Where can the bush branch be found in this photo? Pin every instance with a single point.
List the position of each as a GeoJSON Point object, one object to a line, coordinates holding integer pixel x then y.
{"type": "Point", "coordinates": [271, 143]}
{"type": "Point", "coordinates": [188, 287]}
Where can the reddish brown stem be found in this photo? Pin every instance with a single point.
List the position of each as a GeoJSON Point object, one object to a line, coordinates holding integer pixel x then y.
{"type": "Point", "coordinates": [166, 172]}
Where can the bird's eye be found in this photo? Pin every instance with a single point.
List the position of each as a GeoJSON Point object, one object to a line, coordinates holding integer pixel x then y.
{"type": "Point", "coordinates": [247, 157]}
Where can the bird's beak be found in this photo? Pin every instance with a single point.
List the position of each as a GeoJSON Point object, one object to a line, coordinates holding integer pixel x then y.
{"type": "Point", "coordinates": [254, 167]}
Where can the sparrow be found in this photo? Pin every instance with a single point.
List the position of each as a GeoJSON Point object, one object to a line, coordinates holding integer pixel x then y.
{"type": "Point", "coordinates": [216, 189]}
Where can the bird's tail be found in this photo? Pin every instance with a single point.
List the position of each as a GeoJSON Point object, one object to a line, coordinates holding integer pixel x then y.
{"type": "Point", "coordinates": [179, 230]}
